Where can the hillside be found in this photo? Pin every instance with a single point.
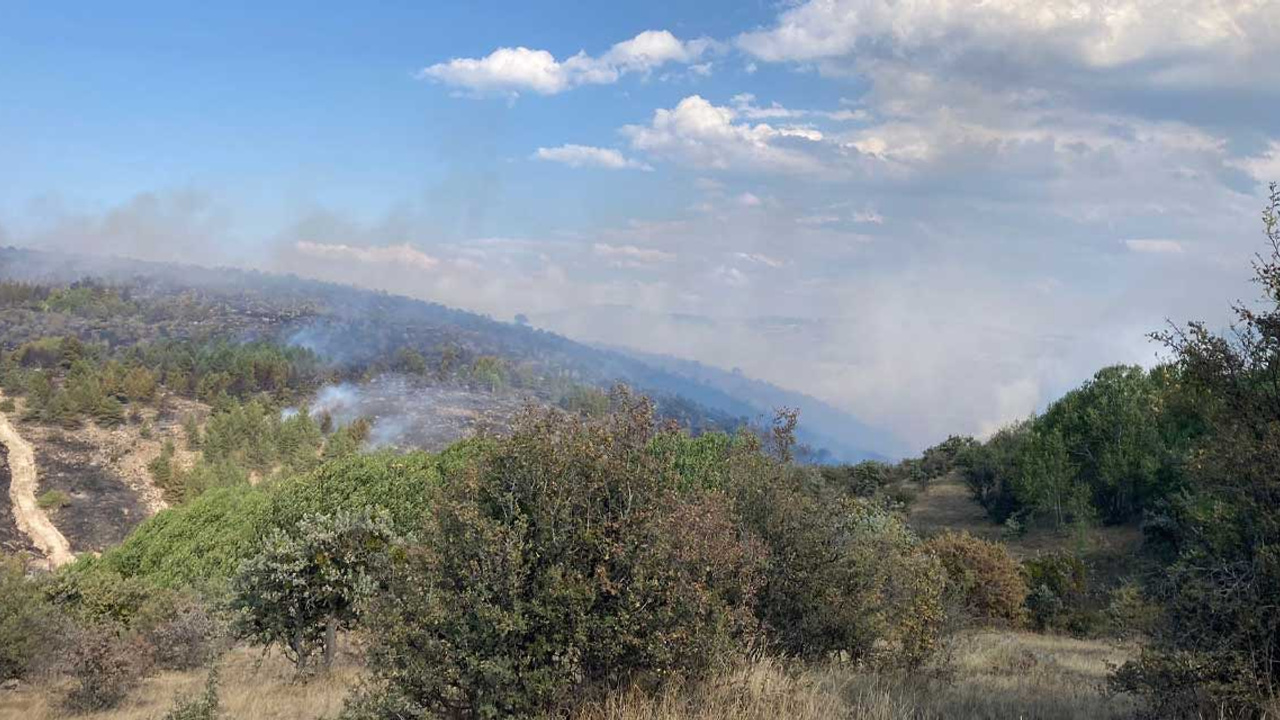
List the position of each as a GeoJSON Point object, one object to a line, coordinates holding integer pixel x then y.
{"type": "Point", "coordinates": [356, 329]}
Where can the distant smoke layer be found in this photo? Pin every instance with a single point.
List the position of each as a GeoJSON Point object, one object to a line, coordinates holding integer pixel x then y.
{"type": "Point", "coordinates": [953, 335]}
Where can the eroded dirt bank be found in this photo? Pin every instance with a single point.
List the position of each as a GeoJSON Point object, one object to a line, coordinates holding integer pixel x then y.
{"type": "Point", "coordinates": [23, 485]}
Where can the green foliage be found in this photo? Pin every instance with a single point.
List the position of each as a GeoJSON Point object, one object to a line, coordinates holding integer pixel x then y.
{"type": "Point", "coordinates": [569, 557]}
{"type": "Point", "coordinates": [981, 576]}
{"type": "Point", "coordinates": [863, 480]}
{"type": "Point", "coordinates": [1219, 648]}
{"type": "Point", "coordinates": [1056, 585]}
{"type": "Point", "coordinates": [206, 475]}
{"type": "Point", "coordinates": [585, 400]}
{"type": "Point", "coordinates": [53, 500]}
{"type": "Point", "coordinates": [489, 372]}
{"type": "Point", "coordinates": [409, 360]}
{"type": "Point", "coordinates": [161, 467]}
{"type": "Point", "coordinates": [1112, 448]}
{"type": "Point", "coordinates": [1046, 481]}
{"type": "Point", "coordinates": [303, 586]}
{"type": "Point", "coordinates": [400, 485]}
{"type": "Point", "coordinates": [191, 431]}
{"type": "Point", "coordinates": [942, 458]}
{"type": "Point", "coordinates": [844, 576]}
{"type": "Point", "coordinates": [198, 544]}
{"type": "Point", "coordinates": [28, 623]}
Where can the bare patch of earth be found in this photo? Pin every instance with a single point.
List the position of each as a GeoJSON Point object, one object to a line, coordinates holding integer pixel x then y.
{"type": "Point", "coordinates": [12, 540]}
{"type": "Point", "coordinates": [101, 508]}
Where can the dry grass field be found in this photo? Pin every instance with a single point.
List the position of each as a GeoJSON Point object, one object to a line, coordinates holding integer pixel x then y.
{"type": "Point", "coordinates": [992, 675]}
{"type": "Point", "coordinates": [996, 675]}
{"type": "Point", "coordinates": [252, 686]}
{"type": "Point", "coordinates": [944, 503]}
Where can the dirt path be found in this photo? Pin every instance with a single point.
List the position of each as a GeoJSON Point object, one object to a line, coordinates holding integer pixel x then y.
{"type": "Point", "coordinates": [22, 496]}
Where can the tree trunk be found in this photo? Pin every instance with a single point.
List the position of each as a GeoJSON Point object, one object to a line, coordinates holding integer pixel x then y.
{"type": "Point", "coordinates": [300, 649]}
{"type": "Point", "coordinates": [330, 641]}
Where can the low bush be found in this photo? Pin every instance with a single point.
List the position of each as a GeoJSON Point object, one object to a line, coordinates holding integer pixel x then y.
{"type": "Point", "coordinates": [198, 544]}
{"type": "Point", "coordinates": [844, 576]}
{"type": "Point", "coordinates": [53, 500]}
{"type": "Point", "coordinates": [568, 559]}
{"type": "Point", "coordinates": [981, 577]}
{"type": "Point", "coordinates": [182, 630]}
{"type": "Point", "coordinates": [104, 663]}
{"type": "Point", "coordinates": [30, 627]}
{"type": "Point", "coordinates": [1056, 584]}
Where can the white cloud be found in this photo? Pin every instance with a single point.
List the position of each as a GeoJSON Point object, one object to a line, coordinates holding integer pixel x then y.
{"type": "Point", "coordinates": [744, 104]}
{"type": "Point", "coordinates": [520, 69]}
{"type": "Point", "coordinates": [1265, 166]}
{"type": "Point", "coordinates": [586, 156]}
{"type": "Point", "coordinates": [1149, 245]}
{"type": "Point", "coordinates": [1177, 41]}
{"type": "Point", "coordinates": [747, 199]}
{"type": "Point", "coordinates": [631, 253]}
{"type": "Point", "coordinates": [703, 135]}
{"type": "Point", "coordinates": [400, 255]}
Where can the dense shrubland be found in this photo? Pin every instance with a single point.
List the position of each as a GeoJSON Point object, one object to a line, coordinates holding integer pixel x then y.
{"type": "Point", "coordinates": [515, 575]}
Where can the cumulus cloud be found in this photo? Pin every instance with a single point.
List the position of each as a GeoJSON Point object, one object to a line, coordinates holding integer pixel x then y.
{"type": "Point", "coordinates": [512, 70]}
{"type": "Point", "coordinates": [698, 133]}
{"type": "Point", "coordinates": [578, 156]}
{"type": "Point", "coordinates": [1174, 41]}
{"type": "Point", "coordinates": [401, 255]}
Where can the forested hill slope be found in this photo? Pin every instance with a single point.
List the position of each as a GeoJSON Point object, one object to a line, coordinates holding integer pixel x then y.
{"type": "Point", "coordinates": [360, 329]}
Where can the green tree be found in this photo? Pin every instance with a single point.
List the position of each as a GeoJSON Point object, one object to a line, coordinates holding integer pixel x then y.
{"type": "Point", "coordinates": [1220, 649]}
{"type": "Point", "coordinates": [304, 586]}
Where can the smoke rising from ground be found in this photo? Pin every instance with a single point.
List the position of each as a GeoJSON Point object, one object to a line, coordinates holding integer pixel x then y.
{"type": "Point", "coordinates": [408, 413]}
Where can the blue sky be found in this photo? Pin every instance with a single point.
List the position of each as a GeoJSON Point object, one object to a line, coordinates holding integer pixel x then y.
{"type": "Point", "coordinates": [935, 214]}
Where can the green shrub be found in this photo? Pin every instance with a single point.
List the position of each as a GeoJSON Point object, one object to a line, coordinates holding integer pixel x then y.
{"type": "Point", "coordinates": [30, 628]}
{"type": "Point", "coordinates": [1056, 585]}
{"type": "Point", "coordinates": [104, 664]}
{"type": "Point", "coordinates": [843, 578]}
{"type": "Point", "coordinates": [981, 576]}
{"type": "Point", "coordinates": [198, 544]}
{"type": "Point", "coordinates": [1130, 613]}
{"type": "Point", "coordinates": [567, 559]}
{"type": "Point", "coordinates": [53, 500]}
{"type": "Point", "coordinates": [400, 485]}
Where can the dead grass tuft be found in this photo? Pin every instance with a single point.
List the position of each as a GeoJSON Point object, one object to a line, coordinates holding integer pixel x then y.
{"type": "Point", "coordinates": [251, 687]}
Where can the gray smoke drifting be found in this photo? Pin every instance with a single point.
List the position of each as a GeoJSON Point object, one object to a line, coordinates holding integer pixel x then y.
{"type": "Point", "coordinates": [407, 413]}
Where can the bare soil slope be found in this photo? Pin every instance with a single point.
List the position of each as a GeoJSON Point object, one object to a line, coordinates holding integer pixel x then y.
{"type": "Point", "coordinates": [23, 487]}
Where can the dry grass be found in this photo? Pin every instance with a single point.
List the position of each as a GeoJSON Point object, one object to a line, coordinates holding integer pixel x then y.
{"type": "Point", "coordinates": [945, 503]}
{"type": "Point", "coordinates": [992, 675]}
{"type": "Point", "coordinates": [251, 687]}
